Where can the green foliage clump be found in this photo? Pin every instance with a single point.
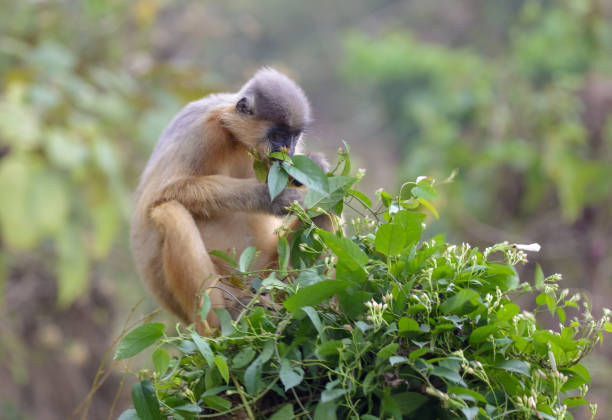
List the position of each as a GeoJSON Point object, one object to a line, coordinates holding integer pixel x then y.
{"type": "Point", "coordinates": [379, 323]}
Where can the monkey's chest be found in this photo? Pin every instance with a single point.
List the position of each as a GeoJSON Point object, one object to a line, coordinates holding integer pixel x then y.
{"type": "Point", "coordinates": [235, 232]}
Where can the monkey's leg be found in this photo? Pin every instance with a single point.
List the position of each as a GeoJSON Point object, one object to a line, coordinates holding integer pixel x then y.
{"type": "Point", "coordinates": [188, 269]}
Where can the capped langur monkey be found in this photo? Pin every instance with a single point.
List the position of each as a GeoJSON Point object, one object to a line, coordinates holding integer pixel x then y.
{"type": "Point", "coordinates": [199, 193]}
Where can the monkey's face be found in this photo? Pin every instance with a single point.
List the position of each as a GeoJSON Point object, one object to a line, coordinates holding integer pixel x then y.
{"type": "Point", "coordinates": [263, 131]}
{"type": "Point", "coordinates": [280, 136]}
{"type": "Point", "coordinates": [272, 111]}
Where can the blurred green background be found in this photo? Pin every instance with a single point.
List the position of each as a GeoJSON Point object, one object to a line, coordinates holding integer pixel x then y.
{"type": "Point", "coordinates": [515, 95]}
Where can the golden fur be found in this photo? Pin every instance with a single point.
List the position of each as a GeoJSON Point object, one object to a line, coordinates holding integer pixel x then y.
{"type": "Point", "coordinates": [199, 193]}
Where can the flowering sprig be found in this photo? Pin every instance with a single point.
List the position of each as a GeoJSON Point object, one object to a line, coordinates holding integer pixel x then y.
{"type": "Point", "coordinates": [376, 310]}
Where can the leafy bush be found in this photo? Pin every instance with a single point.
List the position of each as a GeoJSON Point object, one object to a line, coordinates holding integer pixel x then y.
{"type": "Point", "coordinates": [381, 323]}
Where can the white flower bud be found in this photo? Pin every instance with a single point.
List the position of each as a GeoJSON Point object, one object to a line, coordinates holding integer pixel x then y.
{"type": "Point", "coordinates": [535, 247]}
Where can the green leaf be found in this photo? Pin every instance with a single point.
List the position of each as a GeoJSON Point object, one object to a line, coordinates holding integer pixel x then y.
{"type": "Point", "coordinates": [290, 376]}
{"type": "Point", "coordinates": [470, 413]}
{"type": "Point", "coordinates": [394, 360]}
{"type": "Point", "coordinates": [338, 186]}
{"type": "Point", "coordinates": [390, 239]}
{"type": "Point", "coordinates": [424, 191]}
{"type": "Point", "coordinates": [246, 258]}
{"type": "Point", "coordinates": [466, 394]}
{"type": "Point", "coordinates": [282, 156]}
{"type": "Point", "coordinates": [502, 276]}
{"type": "Point", "coordinates": [447, 326]}
{"type": "Point", "coordinates": [539, 278]}
{"type": "Point", "coordinates": [447, 373]}
{"type": "Point", "coordinates": [205, 308]}
{"type": "Point", "coordinates": [388, 351]}
{"type": "Point", "coordinates": [261, 170]}
{"type": "Point", "coordinates": [344, 157]}
{"type": "Point", "coordinates": [329, 348]}
{"type": "Point", "coordinates": [429, 206]}
{"type": "Point", "coordinates": [346, 250]}
{"type": "Point", "coordinates": [130, 414]}
{"type": "Point", "coordinates": [225, 319]}
{"type": "Point", "coordinates": [581, 371]}
{"type": "Point", "coordinates": [315, 294]}
{"type": "Point", "coordinates": [406, 325]}
{"type": "Point", "coordinates": [106, 220]}
{"type": "Point", "coordinates": [608, 327]}
{"type": "Point", "coordinates": [516, 366]}
{"type": "Point", "coordinates": [145, 401]}
{"type": "Point", "coordinates": [225, 257]}
{"type": "Point", "coordinates": [277, 180]}
{"type": "Point", "coordinates": [461, 303]}
{"type": "Point", "coordinates": [480, 334]}
{"type": "Point", "coordinates": [332, 394]}
{"type": "Point", "coordinates": [271, 282]}
{"type": "Point", "coordinates": [415, 354]}
{"type": "Point", "coordinates": [308, 173]}
{"type": "Point", "coordinates": [384, 196]}
{"type": "Point", "coordinates": [545, 299]}
{"type": "Point", "coordinates": [204, 348]}
{"type": "Point", "coordinates": [508, 311]}
{"type": "Point", "coordinates": [48, 202]}
{"type": "Point", "coordinates": [188, 409]}
{"type": "Point", "coordinates": [139, 339]}
{"type": "Point", "coordinates": [222, 366]}
{"type": "Point", "coordinates": [409, 402]}
{"type": "Point", "coordinates": [283, 254]}
{"type": "Point", "coordinates": [252, 376]}
{"type": "Point", "coordinates": [216, 403]}
{"type": "Point", "coordinates": [352, 300]}
{"type": "Point", "coordinates": [575, 401]}
{"type": "Point", "coordinates": [243, 358]}
{"type": "Point", "coordinates": [16, 175]}
{"type": "Point", "coordinates": [316, 320]}
{"type": "Point", "coordinates": [285, 413]}
{"type": "Point", "coordinates": [361, 196]}
{"type": "Point", "coordinates": [161, 360]}
{"type": "Point", "coordinates": [561, 315]}
{"type": "Point", "coordinates": [325, 411]}
{"type": "Point", "coordinates": [72, 266]}
{"type": "Point", "coordinates": [412, 223]}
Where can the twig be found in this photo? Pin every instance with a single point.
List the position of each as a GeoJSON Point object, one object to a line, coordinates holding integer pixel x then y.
{"type": "Point", "coordinates": [247, 407]}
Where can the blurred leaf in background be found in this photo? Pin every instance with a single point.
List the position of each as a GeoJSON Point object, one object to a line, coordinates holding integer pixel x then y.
{"type": "Point", "coordinates": [518, 125]}
{"type": "Point", "coordinates": [82, 101]}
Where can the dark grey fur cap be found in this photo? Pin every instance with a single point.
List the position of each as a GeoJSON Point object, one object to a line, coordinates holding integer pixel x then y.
{"type": "Point", "coordinates": [275, 97]}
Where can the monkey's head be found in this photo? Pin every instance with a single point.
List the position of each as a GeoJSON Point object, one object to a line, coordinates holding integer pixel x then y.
{"type": "Point", "coordinates": [270, 113]}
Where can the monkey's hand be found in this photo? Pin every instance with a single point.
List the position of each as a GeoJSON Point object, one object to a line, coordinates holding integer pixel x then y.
{"type": "Point", "coordinates": [278, 206]}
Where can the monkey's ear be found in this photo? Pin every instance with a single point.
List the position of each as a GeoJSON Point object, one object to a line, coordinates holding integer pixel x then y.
{"type": "Point", "coordinates": [243, 106]}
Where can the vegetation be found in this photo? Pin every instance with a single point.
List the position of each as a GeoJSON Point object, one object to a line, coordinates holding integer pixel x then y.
{"type": "Point", "coordinates": [516, 95]}
{"type": "Point", "coordinates": [538, 149]}
{"type": "Point", "coordinates": [381, 323]}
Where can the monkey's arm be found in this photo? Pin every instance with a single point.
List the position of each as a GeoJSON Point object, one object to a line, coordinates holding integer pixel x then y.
{"type": "Point", "coordinates": [214, 194]}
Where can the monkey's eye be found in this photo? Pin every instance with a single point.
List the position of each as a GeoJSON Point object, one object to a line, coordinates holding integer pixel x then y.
{"type": "Point", "coordinates": [242, 106]}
